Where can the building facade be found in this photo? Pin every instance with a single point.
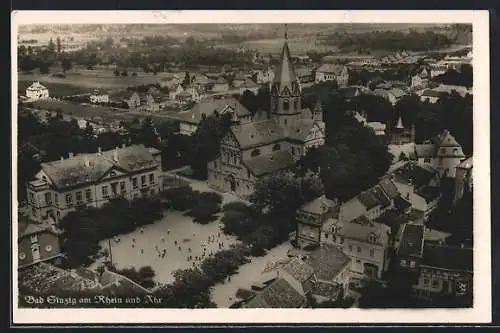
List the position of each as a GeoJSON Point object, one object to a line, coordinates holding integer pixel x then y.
{"type": "Point", "coordinates": [37, 242]}
{"type": "Point", "coordinates": [91, 180]}
{"type": "Point", "coordinates": [331, 72]}
{"type": "Point", "coordinates": [37, 91]}
{"type": "Point", "coordinates": [97, 96]}
{"type": "Point", "coordinates": [265, 143]}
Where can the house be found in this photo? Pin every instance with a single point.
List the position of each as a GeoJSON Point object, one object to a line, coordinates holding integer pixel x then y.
{"type": "Point", "coordinates": [420, 79]}
{"type": "Point", "coordinates": [221, 85]}
{"type": "Point", "coordinates": [332, 72]}
{"type": "Point", "coordinates": [37, 91]}
{"type": "Point", "coordinates": [442, 153]}
{"type": "Point", "coordinates": [430, 95]}
{"type": "Point", "coordinates": [438, 68]}
{"type": "Point", "coordinates": [445, 272]}
{"type": "Point", "coordinates": [448, 88]}
{"type": "Point", "coordinates": [249, 85]}
{"type": "Point", "coordinates": [311, 217]}
{"type": "Point", "coordinates": [264, 77]}
{"type": "Point", "coordinates": [171, 82]}
{"type": "Point", "coordinates": [98, 96]}
{"type": "Point", "coordinates": [267, 142]}
{"type": "Point", "coordinates": [134, 100]}
{"type": "Point", "coordinates": [91, 180]}
{"type": "Point", "coordinates": [409, 247]}
{"type": "Point", "coordinates": [37, 242]}
{"type": "Point", "coordinates": [151, 102]}
{"type": "Point", "coordinates": [278, 294]}
{"type": "Point", "coordinates": [175, 91]}
{"type": "Point", "coordinates": [364, 241]}
{"type": "Point", "coordinates": [305, 74]}
{"type": "Point", "coordinates": [392, 95]}
{"type": "Point", "coordinates": [463, 179]}
{"type": "Point", "coordinates": [190, 119]}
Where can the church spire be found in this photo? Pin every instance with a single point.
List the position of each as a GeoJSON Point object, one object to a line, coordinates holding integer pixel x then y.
{"type": "Point", "coordinates": [285, 81]}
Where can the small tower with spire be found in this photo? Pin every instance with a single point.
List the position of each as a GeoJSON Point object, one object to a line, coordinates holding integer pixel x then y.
{"type": "Point", "coordinates": [286, 105]}
{"type": "Point", "coordinates": [399, 125]}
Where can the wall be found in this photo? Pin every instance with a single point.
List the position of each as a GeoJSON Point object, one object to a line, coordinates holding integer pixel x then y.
{"type": "Point", "coordinates": [43, 240]}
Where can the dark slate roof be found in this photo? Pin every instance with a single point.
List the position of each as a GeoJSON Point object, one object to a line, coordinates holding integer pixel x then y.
{"type": "Point", "coordinates": [431, 93]}
{"type": "Point", "coordinates": [300, 129]}
{"type": "Point", "coordinates": [254, 134]}
{"type": "Point", "coordinates": [426, 150]}
{"type": "Point", "coordinates": [419, 175]}
{"type": "Point", "coordinates": [298, 269]}
{"type": "Point", "coordinates": [285, 74]}
{"type": "Point", "coordinates": [389, 188]}
{"type": "Point", "coordinates": [207, 108]}
{"type": "Point", "coordinates": [412, 240]}
{"type": "Point", "coordinates": [447, 257]}
{"type": "Point", "coordinates": [368, 199]}
{"type": "Point", "coordinates": [279, 294]}
{"type": "Point", "coordinates": [328, 290]}
{"type": "Point", "coordinates": [429, 193]}
{"type": "Point", "coordinates": [361, 228]}
{"type": "Point", "coordinates": [327, 261]}
{"type": "Point", "coordinates": [380, 195]}
{"type": "Point", "coordinates": [73, 171]}
{"type": "Point", "coordinates": [318, 206]}
{"type": "Point", "coordinates": [267, 164]}
{"type": "Point", "coordinates": [25, 228]}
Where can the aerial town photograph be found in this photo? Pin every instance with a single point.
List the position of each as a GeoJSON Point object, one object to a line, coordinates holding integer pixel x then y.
{"type": "Point", "coordinates": [244, 166]}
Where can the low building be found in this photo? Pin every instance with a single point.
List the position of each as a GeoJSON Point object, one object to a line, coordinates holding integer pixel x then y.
{"type": "Point", "coordinates": [409, 247]}
{"type": "Point", "coordinates": [238, 80]}
{"type": "Point", "coordinates": [37, 91]}
{"type": "Point", "coordinates": [364, 241]}
{"type": "Point", "coordinates": [430, 95]}
{"type": "Point", "coordinates": [445, 272]}
{"type": "Point", "coordinates": [332, 72]}
{"type": "Point", "coordinates": [99, 96]}
{"type": "Point", "coordinates": [37, 242]}
{"type": "Point", "coordinates": [265, 76]}
{"type": "Point", "coordinates": [420, 79]}
{"type": "Point", "coordinates": [91, 180]}
{"type": "Point", "coordinates": [449, 89]}
{"type": "Point", "coordinates": [221, 85]}
{"type": "Point", "coordinates": [249, 85]}
{"type": "Point", "coordinates": [133, 100]}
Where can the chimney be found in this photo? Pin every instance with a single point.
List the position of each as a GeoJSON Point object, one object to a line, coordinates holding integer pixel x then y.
{"type": "Point", "coordinates": [115, 155]}
{"type": "Point", "coordinates": [99, 150]}
{"type": "Point", "coordinates": [123, 145]}
{"type": "Point", "coordinates": [86, 161]}
{"type": "Point", "coordinates": [70, 155]}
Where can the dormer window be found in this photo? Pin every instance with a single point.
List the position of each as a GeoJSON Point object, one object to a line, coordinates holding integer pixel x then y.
{"type": "Point", "coordinates": [286, 105]}
{"type": "Point", "coordinates": [277, 147]}
{"type": "Point", "coordinates": [112, 173]}
{"type": "Point", "coordinates": [255, 152]}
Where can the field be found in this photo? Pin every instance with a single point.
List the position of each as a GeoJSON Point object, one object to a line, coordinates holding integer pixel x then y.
{"type": "Point", "coordinates": [81, 81]}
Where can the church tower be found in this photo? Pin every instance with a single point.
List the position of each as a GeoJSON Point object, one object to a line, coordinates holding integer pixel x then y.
{"type": "Point", "coordinates": [286, 105]}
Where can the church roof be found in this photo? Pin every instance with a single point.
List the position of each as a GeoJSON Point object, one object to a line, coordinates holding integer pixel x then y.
{"type": "Point", "coordinates": [285, 74]}
{"type": "Point", "coordinates": [207, 108]}
{"type": "Point", "coordinates": [300, 129]}
{"type": "Point", "coordinates": [258, 133]}
{"type": "Point", "coordinates": [267, 164]}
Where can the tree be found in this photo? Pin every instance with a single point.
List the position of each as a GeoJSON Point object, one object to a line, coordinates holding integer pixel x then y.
{"type": "Point", "coordinates": [249, 100]}
{"type": "Point", "coordinates": [58, 45]}
{"type": "Point", "coordinates": [66, 64]}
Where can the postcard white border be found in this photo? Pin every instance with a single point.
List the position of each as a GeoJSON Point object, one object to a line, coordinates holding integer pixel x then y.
{"type": "Point", "coordinates": [480, 313]}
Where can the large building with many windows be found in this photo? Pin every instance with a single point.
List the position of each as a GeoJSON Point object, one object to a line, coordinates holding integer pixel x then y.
{"type": "Point", "coordinates": [91, 180]}
{"type": "Point", "coordinates": [265, 143]}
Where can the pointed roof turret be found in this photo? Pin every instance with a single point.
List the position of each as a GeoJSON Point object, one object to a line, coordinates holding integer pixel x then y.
{"type": "Point", "coordinates": [285, 75]}
{"type": "Point", "coordinates": [400, 124]}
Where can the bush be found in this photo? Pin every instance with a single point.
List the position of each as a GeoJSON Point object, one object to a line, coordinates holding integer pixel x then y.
{"type": "Point", "coordinates": [206, 205]}
{"type": "Point", "coordinates": [180, 198]}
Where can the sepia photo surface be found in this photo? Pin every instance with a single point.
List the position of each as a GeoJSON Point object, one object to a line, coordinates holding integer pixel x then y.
{"type": "Point", "coordinates": [251, 166]}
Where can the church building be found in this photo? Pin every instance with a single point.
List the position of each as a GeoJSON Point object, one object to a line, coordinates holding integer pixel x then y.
{"type": "Point", "coordinates": [265, 143]}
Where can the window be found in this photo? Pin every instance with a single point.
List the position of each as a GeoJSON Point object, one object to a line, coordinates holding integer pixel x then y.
{"type": "Point", "coordinates": [427, 160]}
{"type": "Point", "coordinates": [285, 121]}
{"type": "Point", "coordinates": [69, 199]}
{"type": "Point", "coordinates": [122, 186]}
{"type": "Point", "coordinates": [33, 212]}
{"type": "Point", "coordinates": [341, 240]}
{"type": "Point", "coordinates": [372, 253]}
{"type": "Point", "coordinates": [372, 239]}
{"type": "Point", "coordinates": [88, 195]}
{"type": "Point", "coordinates": [105, 193]}
{"type": "Point", "coordinates": [286, 105]}
{"type": "Point", "coordinates": [293, 150]}
{"type": "Point", "coordinates": [56, 199]}
{"type": "Point", "coordinates": [435, 283]}
{"type": "Point", "coordinates": [79, 197]}
{"type": "Point", "coordinates": [297, 106]}
{"type": "Point", "coordinates": [22, 255]}
{"type": "Point", "coordinates": [48, 248]}
{"type": "Point", "coordinates": [350, 248]}
{"type": "Point", "coordinates": [276, 147]}
{"type": "Point", "coordinates": [143, 180]}
{"type": "Point", "coordinates": [412, 264]}
{"type": "Point", "coordinates": [403, 262]}
{"type": "Point", "coordinates": [134, 182]}
{"type": "Point", "coordinates": [425, 282]}
{"type": "Point", "coordinates": [359, 249]}
{"type": "Point", "coordinates": [32, 197]}
{"type": "Point", "coordinates": [48, 198]}
{"type": "Point", "coordinates": [151, 178]}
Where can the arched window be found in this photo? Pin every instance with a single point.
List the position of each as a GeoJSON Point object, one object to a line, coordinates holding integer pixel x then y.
{"type": "Point", "coordinates": [297, 105]}
{"type": "Point", "coordinates": [276, 147]}
{"type": "Point", "coordinates": [293, 150]}
{"type": "Point", "coordinates": [372, 239]}
{"type": "Point", "coordinates": [286, 105]}
{"type": "Point", "coordinates": [285, 121]}
{"type": "Point", "coordinates": [255, 152]}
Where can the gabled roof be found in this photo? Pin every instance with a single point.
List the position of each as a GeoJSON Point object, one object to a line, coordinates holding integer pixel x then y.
{"type": "Point", "coordinates": [320, 205]}
{"type": "Point", "coordinates": [412, 240]}
{"type": "Point", "coordinates": [368, 200]}
{"type": "Point", "coordinates": [466, 164]}
{"type": "Point", "coordinates": [331, 68]}
{"type": "Point", "coordinates": [426, 150]}
{"type": "Point", "coordinates": [361, 228]}
{"type": "Point", "coordinates": [36, 86]}
{"type": "Point", "coordinates": [300, 129]}
{"type": "Point", "coordinates": [256, 134]}
{"type": "Point", "coordinates": [279, 294]}
{"type": "Point", "coordinates": [298, 269]}
{"type": "Point", "coordinates": [75, 170]}
{"type": "Point", "coordinates": [207, 108]}
{"type": "Point", "coordinates": [431, 93]}
{"type": "Point", "coordinates": [25, 229]}
{"type": "Point", "coordinates": [327, 261]}
{"type": "Point", "coordinates": [447, 257]}
{"type": "Point", "coordinates": [270, 163]}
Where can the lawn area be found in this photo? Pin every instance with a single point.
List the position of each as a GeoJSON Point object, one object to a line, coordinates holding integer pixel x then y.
{"type": "Point", "coordinates": [84, 80]}
{"type": "Point", "coordinates": [127, 253]}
